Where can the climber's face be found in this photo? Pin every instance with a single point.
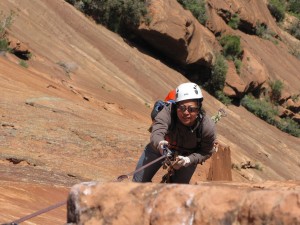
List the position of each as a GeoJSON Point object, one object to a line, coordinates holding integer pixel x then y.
{"type": "Point", "coordinates": [187, 112]}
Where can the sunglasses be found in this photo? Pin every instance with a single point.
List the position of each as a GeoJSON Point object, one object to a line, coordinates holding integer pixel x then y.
{"type": "Point", "coordinates": [189, 108]}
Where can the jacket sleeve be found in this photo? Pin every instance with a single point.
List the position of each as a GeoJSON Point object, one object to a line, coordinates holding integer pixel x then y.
{"type": "Point", "coordinates": [207, 142]}
{"type": "Point", "coordinates": [161, 125]}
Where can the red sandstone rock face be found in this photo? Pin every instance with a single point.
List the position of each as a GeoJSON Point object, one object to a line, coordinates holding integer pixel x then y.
{"type": "Point", "coordinates": [62, 124]}
{"type": "Point", "coordinates": [250, 13]}
{"type": "Point", "coordinates": [206, 203]}
{"type": "Point", "coordinates": [177, 34]}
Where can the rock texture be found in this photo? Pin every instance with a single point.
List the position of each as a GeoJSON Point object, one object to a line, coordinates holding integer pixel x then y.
{"type": "Point", "coordinates": [206, 203]}
{"type": "Point", "coordinates": [177, 34]}
{"type": "Point", "coordinates": [81, 110]}
{"type": "Point", "coordinates": [262, 56]}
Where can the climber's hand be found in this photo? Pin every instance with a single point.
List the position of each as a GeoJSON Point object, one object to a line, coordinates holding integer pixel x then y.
{"type": "Point", "coordinates": [184, 161]}
{"type": "Point", "coordinates": [162, 145]}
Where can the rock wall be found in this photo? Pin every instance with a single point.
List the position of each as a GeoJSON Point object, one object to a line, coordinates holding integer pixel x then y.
{"type": "Point", "coordinates": [206, 203]}
{"type": "Point", "coordinates": [177, 34]}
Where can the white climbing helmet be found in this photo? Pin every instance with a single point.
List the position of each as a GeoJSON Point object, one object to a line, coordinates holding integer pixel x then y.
{"type": "Point", "coordinates": [187, 91]}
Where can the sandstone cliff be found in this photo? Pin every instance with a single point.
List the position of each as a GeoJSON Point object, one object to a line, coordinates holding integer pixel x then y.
{"type": "Point", "coordinates": [80, 111]}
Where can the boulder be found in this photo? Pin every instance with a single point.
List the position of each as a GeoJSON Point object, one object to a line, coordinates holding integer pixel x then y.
{"type": "Point", "coordinates": [18, 48]}
{"type": "Point", "coordinates": [293, 106]}
{"type": "Point", "coordinates": [254, 71]}
{"type": "Point", "coordinates": [177, 34]}
{"type": "Point", "coordinates": [251, 13]}
{"type": "Point", "coordinates": [234, 85]}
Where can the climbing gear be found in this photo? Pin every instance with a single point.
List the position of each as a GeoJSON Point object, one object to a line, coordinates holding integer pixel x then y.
{"type": "Point", "coordinates": [188, 91]}
{"type": "Point", "coordinates": [221, 113]}
{"type": "Point", "coordinates": [170, 165]}
{"type": "Point", "coordinates": [162, 146]}
{"type": "Point", "coordinates": [126, 176]}
{"type": "Point", "coordinates": [158, 106]}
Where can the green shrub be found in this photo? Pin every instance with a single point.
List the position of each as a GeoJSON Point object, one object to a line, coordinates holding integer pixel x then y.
{"type": "Point", "coordinates": [266, 111]}
{"type": "Point", "coordinates": [295, 51]}
{"type": "Point", "coordinates": [260, 29]}
{"type": "Point", "coordinates": [294, 6]}
{"type": "Point", "coordinates": [197, 8]}
{"type": "Point", "coordinates": [5, 22]}
{"type": "Point", "coordinates": [295, 30]}
{"type": "Point", "coordinates": [295, 97]}
{"type": "Point", "coordinates": [289, 126]}
{"type": "Point", "coordinates": [264, 32]}
{"type": "Point", "coordinates": [231, 46]}
{"type": "Point", "coordinates": [23, 63]}
{"type": "Point", "coordinates": [223, 98]}
{"type": "Point", "coordinates": [277, 9]}
{"type": "Point", "coordinates": [276, 89]}
{"type": "Point", "coordinates": [234, 21]}
{"type": "Point", "coordinates": [236, 166]}
{"type": "Point", "coordinates": [216, 83]}
{"type": "Point", "coordinates": [3, 44]}
{"type": "Point", "coordinates": [218, 76]}
{"type": "Point", "coordinates": [114, 14]}
{"type": "Point", "coordinates": [261, 108]}
{"type": "Point", "coordinates": [238, 65]}
{"type": "Point", "coordinates": [258, 166]}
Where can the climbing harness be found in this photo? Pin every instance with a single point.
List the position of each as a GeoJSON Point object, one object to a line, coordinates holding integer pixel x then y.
{"type": "Point", "coordinates": [169, 164]}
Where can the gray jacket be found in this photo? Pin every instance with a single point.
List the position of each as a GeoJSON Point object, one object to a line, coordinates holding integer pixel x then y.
{"type": "Point", "coordinates": [184, 138]}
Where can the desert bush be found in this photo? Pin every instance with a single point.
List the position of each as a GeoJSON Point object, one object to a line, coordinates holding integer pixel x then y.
{"type": "Point", "coordinates": [68, 67]}
{"type": "Point", "coordinates": [5, 23]}
{"type": "Point", "coordinates": [260, 29]}
{"type": "Point", "coordinates": [238, 65]}
{"type": "Point", "coordinates": [197, 8]}
{"type": "Point", "coordinates": [277, 9]}
{"type": "Point", "coordinates": [261, 108]}
{"type": "Point", "coordinates": [289, 126]}
{"type": "Point", "coordinates": [3, 44]}
{"type": "Point", "coordinates": [258, 166]}
{"type": "Point", "coordinates": [295, 30]}
{"type": "Point", "coordinates": [276, 89]}
{"type": "Point", "coordinates": [114, 14]}
{"type": "Point", "coordinates": [218, 76]}
{"type": "Point", "coordinates": [223, 98]}
{"type": "Point", "coordinates": [295, 51]}
{"type": "Point", "coordinates": [216, 83]}
{"type": "Point", "coordinates": [231, 46]}
{"type": "Point", "coordinates": [268, 112]}
{"type": "Point", "coordinates": [293, 6]}
{"type": "Point", "coordinates": [23, 64]}
{"type": "Point", "coordinates": [264, 32]}
{"type": "Point", "coordinates": [234, 21]}
{"type": "Point", "coordinates": [236, 166]}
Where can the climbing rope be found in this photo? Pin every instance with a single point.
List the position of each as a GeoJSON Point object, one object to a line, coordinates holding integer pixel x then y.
{"type": "Point", "coordinates": [37, 213]}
